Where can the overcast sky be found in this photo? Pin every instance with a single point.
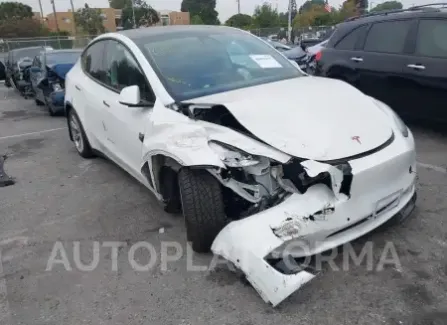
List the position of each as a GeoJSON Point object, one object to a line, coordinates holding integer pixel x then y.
{"type": "Point", "coordinates": [226, 8]}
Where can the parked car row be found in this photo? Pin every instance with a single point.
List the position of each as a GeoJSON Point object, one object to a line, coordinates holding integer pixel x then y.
{"type": "Point", "coordinates": [40, 72]}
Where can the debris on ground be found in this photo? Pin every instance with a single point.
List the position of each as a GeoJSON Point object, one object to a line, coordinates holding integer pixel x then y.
{"type": "Point", "coordinates": [5, 180]}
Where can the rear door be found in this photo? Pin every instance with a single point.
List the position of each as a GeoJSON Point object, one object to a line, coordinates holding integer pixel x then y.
{"type": "Point", "coordinates": [380, 64]}
{"type": "Point", "coordinates": [339, 62]}
{"type": "Point", "coordinates": [426, 71]}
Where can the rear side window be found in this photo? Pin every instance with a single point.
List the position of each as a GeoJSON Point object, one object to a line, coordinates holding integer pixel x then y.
{"type": "Point", "coordinates": [387, 37]}
{"type": "Point", "coordinates": [92, 61]}
{"type": "Point", "coordinates": [349, 41]}
{"type": "Point", "coordinates": [432, 38]}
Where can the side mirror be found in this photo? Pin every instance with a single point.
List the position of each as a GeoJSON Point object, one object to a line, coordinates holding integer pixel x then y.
{"type": "Point", "coordinates": [130, 96]}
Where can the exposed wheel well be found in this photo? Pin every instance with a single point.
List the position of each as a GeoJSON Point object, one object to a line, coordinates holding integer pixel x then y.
{"type": "Point", "coordinates": [68, 108]}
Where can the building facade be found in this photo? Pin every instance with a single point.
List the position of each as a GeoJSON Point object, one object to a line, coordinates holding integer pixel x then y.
{"type": "Point", "coordinates": [169, 17]}
{"type": "Point", "coordinates": [64, 20]}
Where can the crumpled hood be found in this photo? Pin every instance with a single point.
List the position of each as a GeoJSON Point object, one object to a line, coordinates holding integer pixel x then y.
{"type": "Point", "coordinates": [308, 117]}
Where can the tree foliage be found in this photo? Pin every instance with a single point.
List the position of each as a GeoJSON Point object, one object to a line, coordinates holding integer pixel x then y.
{"type": "Point", "coordinates": [265, 16]}
{"type": "Point", "coordinates": [90, 20]}
{"type": "Point", "coordinates": [387, 5]}
{"type": "Point", "coordinates": [15, 10]}
{"type": "Point", "coordinates": [306, 6]}
{"type": "Point", "coordinates": [145, 15]}
{"type": "Point", "coordinates": [240, 21]}
{"type": "Point", "coordinates": [25, 27]}
{"type": "Point", "coordinates": [196, 20]}
{"type": "Point", "coordinates": [205, 9]}
{"type": "Point", "coordinates": [120, 4]}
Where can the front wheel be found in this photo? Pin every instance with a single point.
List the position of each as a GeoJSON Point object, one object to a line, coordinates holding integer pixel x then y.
{"type": "Point", "coordinates": [78, 135]}
{"type": "Point", "coordinates": [203, 207]}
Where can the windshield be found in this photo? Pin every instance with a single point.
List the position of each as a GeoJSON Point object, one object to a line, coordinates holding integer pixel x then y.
{"type": "Point", "coordinates": [199, 63]}
{"type": "Point", "coordinates": [62, 57]}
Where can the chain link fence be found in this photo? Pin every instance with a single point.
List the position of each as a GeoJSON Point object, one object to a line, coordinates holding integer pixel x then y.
{"type": "Point", "coordinates": [57, 42]}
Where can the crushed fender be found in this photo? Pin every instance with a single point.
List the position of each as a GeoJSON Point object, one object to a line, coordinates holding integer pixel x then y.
{"type": "Point", "coordinates": [5, 180]}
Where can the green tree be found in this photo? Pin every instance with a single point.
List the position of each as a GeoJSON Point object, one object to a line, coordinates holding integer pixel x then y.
{"type": "Point", "coordinates": [265, 16]}
{"type": "Point", "coordinates": [309, 4]}
{"type": "Point", "coordinates": [240, 21]}
{"type": "Point", "coordinates": [145, 15]}
{"type": "Point", "coordinates": [25, 27]}
{"type": "Point", "coordinates": [90, 20]}
{"type": "Point", "coordinates": [15, 10]}
{"type": "Point", "coordinates": [387, 5]}
{"type": "Point", "coordinates": [120, 4]}
{"type": "Point", "coordinates": [196, 20]}
{"type": "Point", "coordinates": [205, 9]}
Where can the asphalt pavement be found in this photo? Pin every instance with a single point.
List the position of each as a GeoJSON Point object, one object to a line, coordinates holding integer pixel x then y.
{"type": "Point", "coordinates": [62, 199]}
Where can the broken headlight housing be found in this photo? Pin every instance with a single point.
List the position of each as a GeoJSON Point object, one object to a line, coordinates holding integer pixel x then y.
{"type": "Point", "coordinates": [233, 157]}
{"type": "Point", "coordinates": [57, 87]}
{"type": "Point", "coordinates": [399, 123]}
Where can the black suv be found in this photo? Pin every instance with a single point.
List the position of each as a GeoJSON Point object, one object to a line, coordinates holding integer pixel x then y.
{"type": "Point", "coordinates": [398, 57]}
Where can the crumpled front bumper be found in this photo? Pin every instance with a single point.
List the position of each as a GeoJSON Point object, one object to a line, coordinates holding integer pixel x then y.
{"type": "Point", "coordinates": [383, 185]}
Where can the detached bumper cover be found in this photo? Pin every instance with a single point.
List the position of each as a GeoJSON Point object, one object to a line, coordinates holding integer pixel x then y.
{"type": "Point", "coordinates": [383, 185]}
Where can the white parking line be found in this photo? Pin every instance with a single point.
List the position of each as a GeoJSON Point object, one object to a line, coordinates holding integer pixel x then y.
{"type": "Point", "coordinates": [30, 133]}
{"type": "Point", "coordinates": [433, 167]}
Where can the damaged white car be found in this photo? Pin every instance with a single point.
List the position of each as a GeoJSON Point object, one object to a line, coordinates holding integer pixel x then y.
{"type": "Point", "coordinates": [219, 125]}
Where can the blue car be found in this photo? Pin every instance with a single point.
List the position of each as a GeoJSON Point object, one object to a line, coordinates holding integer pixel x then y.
{"type": "Point", "coordinates": [47, 76]}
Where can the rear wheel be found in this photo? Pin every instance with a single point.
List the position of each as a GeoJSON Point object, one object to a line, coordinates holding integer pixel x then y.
{"type": "Point", "coordinates": [38, 102]}
{"type": "Point", "coordinates": [78, 135]}
{"type": "Point", "coordinates": [203, 207]}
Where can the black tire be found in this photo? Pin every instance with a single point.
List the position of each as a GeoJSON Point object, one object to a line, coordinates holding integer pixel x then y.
{"type": "Point", "coordinates": [85, 150]}
{"type": "Point", "coordinates": [38, 102]}
{"type": "Point", "coordinates": [50, 110]}
{"type": "Point", "coordinates": [203, 207]}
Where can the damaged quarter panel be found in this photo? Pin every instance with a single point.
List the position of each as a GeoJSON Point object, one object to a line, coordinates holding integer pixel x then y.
{"type": "Point", "coordinates": [186, 140]}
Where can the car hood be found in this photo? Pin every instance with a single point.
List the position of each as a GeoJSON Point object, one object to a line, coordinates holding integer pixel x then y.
{"type": "Point", "coordinates": [294, 53]}
{"type": "Point", "coordinates": [308, 117]}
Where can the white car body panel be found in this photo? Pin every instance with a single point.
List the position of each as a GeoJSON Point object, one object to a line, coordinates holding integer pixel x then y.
{"type": "Point", "coordinates": [294, 119]}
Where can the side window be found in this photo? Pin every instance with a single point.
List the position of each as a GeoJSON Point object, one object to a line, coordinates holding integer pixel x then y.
{"type": "Point", "coordinates": [387, 37]}
{"type": "Point", "coordinates": [432, 38]}
{"type": "Point", "coordinates": [122, 70]}
{"type": "Point", "coordinates": [349, 41]}
{"type": "Point", "coordinates": [92, 61]}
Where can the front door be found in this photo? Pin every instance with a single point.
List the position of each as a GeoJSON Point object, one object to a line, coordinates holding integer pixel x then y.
{"type": "Point", "coordinates": [125, 125]}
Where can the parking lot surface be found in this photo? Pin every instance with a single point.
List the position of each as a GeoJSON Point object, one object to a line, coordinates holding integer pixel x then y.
{"type": "Point", "coordinates": [60, 197]}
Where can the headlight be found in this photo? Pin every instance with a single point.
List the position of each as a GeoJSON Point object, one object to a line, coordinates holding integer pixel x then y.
{"type": "Point", "coordinates": [233, 157]}
{"type": "Point", "coordinates": [399, 123]}
{"type": "Point", "coordinates": [57, 87]}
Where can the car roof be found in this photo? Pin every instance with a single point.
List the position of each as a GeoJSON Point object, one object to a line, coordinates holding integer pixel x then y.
{"type": "Point", "coordinates": [425, 11]}
{"type": "Point", "coordinates": [163, 30]}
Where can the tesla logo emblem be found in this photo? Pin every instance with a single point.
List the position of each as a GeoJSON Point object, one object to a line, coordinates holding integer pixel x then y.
{"type": "Point", "coordinates": [356, 138]}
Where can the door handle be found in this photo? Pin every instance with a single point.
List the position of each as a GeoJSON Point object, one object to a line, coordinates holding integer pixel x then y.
{"type": "Point", "coordinates": [416, 66]}
{"type": "Point", "coordinates": [105, 103]}
{"type": "Point", "coordinates": [356, 59]}
{"type": "Point", "coordinates": [77, 87]}
{"type": "Point", "coordinates": [141, 136]}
